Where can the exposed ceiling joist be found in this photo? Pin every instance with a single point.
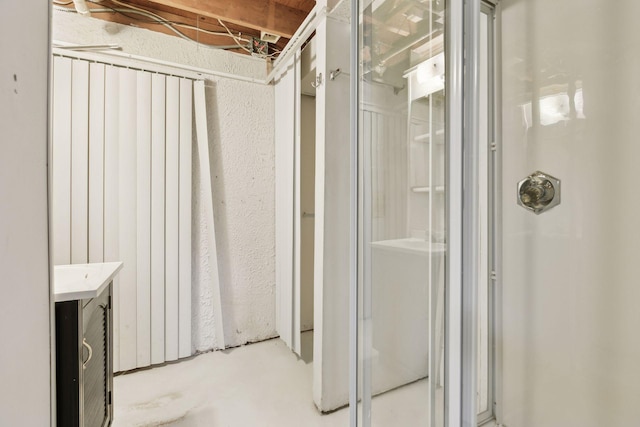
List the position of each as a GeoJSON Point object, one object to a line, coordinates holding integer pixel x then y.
{"type": "Point", "coordinates": [270, 16]}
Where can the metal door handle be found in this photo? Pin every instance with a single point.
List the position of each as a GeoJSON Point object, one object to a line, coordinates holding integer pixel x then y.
{"type": "Point", "coordinates": [539, 192]}
{"type": "Point", "coordinates": [86, 344]}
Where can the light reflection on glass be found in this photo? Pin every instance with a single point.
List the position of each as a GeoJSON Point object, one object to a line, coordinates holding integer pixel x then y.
{"type": "Point", "coordinates": [555, 107]}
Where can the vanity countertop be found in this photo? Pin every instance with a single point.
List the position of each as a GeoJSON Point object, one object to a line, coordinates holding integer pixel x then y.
{"type": "Point", "coordinates": [410, 245]}
{"type": "Point", "coordinates": [82, 281]}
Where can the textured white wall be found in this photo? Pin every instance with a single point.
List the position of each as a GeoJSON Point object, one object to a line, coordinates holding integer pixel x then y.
{"type": "Point", "coordinates": [71, 28]}
{"type": "Point", "coordinates": [331, 238]}
{"type": "Point", "coordinates": [241, 131]}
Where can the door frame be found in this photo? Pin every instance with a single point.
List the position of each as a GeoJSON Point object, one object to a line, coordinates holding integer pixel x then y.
{"type": "Point", "coordinates": [461, 296]}
{"type": "Point", "coordinates": [491, 9]}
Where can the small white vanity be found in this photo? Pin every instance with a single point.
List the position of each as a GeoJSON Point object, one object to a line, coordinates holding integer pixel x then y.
{"type": "Point", "coordinates": [84, 362]}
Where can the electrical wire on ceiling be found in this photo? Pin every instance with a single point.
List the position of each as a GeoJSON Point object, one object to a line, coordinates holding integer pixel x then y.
{"type": "Point", "coordinates": [127, 10]}
{"type": "Point", "coordinates": [160, 20]}
{"type": "Point", "coordinates": [234, 37]}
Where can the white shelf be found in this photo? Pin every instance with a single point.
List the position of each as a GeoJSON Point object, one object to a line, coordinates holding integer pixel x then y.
{"type": "Point", "coordinates": [425, 137]}
{"type": "Point", "coordinates": [438, 189]}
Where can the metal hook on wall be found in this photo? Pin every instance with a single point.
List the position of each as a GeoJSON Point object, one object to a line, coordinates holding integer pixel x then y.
{"type": "Point", "coordinates": [318, 81]}
{"type": "Point", "coordinates": [334, 73]}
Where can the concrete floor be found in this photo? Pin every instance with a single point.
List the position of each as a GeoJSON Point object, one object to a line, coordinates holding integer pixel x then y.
{"type": "Point", "coordinates": [262, 384]}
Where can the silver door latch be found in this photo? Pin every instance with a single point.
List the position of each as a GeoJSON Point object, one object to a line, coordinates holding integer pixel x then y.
{"type": "Point", "coordinates": [539, 192]}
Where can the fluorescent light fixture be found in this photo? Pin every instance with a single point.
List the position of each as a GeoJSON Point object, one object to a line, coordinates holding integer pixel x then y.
{"type": "Point", "coordinates": [399, 31]}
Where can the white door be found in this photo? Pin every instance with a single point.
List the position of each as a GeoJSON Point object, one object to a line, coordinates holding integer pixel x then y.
{"type": "Point", "coordinates": [288, 213]}
{"type": "Point", "coordinates": [570, 275]}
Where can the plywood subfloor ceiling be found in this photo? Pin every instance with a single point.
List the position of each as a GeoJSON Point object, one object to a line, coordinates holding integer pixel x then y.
{"type": "Point", "coordinates": [229, 24]}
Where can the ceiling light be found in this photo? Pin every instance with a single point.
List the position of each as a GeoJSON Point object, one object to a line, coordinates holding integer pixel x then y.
{"type": "Point", "coordinates": [399, 31]}
{"type": "Point", "coordinates": [269, 38]}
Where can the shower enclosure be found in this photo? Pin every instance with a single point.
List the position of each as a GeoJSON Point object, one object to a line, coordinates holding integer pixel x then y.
{"type": "Point", "coordinates": [496, 237]}
{"type": "Point", "coordinates": [406, 242]}
{"type": "Point", "coordinates": [402, 201]}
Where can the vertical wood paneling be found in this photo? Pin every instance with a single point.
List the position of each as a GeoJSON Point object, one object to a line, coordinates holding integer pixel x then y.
{"type": "Point", "coordinates": [79, 161]}
{"type": "Point", "coordinates": [184, 266]}
{"type": "Point", "coordinates": [172, 217]}
{"type": "Point", "coordinates": [128, 218]}
{"type": "Point", "coordinates": [61, 173]}
{"type": "Point", "coordinates": [143, 228]}
{"type": "Point", "coordinates": [96, 162]}
{"type": "Point", "coordinates": [157, 218]}
{"type": "Point", "coordinates": [111, 194]}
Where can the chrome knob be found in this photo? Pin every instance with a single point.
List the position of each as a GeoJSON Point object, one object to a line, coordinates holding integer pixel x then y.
{"type": "Point", "coordinates": [539, 192]}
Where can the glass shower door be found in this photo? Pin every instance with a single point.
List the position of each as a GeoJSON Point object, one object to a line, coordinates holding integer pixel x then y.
{"type": "Point", "coordinates": [406, 210]}
{"type": "Point", "coordinates": [402, 213]}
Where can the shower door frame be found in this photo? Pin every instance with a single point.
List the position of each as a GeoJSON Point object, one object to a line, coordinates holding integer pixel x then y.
{"type": "Point", "coordinates": [461, 136]}
{"type": "Point", "coordinates": [462, 24]}
{"type": "Point", "coordinates": [462, 42]}
{"type": "Point", "coordinates": [490, 8]}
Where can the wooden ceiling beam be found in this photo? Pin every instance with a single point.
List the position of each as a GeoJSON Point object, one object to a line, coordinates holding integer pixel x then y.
{"type": "Point", "coordinates": [263, 15]}
{"type": "Point", "coordinates": [202, 37]}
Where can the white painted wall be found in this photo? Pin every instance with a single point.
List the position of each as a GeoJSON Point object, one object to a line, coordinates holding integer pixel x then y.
{"type": "Point", "coordinates": [241, 124]}
{"type": "Point", "coordinates": [570, 276]}
{"type": "Point", "coordinates": [331, 269]}
{"type": "Point", "coordinates": [25, 306]}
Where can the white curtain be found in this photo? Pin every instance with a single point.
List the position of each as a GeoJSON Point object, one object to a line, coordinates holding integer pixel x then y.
{"type": "Point", "coordinates": [121, 167]}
